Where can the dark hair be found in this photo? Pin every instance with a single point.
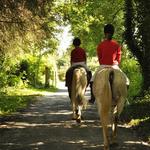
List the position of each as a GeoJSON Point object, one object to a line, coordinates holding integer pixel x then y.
{"type": "Point", "coordinates": [109, 28]}
{"type": "Point", "coordinates": [76, 41]}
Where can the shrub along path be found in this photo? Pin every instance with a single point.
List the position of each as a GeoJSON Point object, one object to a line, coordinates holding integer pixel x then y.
{"type": "Point", "coordinates": [47, 125]}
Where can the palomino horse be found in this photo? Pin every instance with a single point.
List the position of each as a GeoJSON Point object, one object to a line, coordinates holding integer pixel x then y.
{"type": "Point", "coordinates": [79, 84]}
{"type": "Point", "coordinates": [110, 91]}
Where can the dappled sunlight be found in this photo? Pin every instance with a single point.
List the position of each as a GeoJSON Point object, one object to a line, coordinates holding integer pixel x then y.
{"type": "Point", "coordinates": [137, 142]}
{"type": "Point", "coordinates": [11, 144]}
{"type": "Point", "coordinates": [48, 124]}
{"type": "Point", "coordinates": [65, 133]}
{"type": "Point", "coordinates": [38, 143]}
{"type": "Point", "coordinates": [63, 124]}
{"type": "Point", "coordinates": [78, 141]}
{"type": "Point", "coordinates": [37, 114]}
{"type": "Point", "coordinates": [84, 143]}
{"type": "Point", "coordinates": [63, 112]}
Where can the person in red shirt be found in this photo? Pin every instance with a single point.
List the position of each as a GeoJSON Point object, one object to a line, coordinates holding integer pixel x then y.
{"type": "Point", "coordinates": [78, 54]}
{"type": "Point", "coordinates": [78, 58]}
{"type": "Point", "coordinates": [108, 52]}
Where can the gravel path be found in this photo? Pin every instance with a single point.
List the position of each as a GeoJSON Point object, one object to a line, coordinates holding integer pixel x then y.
{"type": "Point", "coordinates": [47, 125]}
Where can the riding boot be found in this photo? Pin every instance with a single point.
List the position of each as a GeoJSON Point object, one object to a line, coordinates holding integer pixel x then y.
{"type": "Point", "coordinates": [69, 92]}
{"type": "Point", "coordinates": [92, 100]}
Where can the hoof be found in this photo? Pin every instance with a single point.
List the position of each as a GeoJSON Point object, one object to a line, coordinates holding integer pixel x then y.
{"type": "Point", "coordinates": [106, 148]}
{"type": "Point", "coordinates": [91, 101]}
{"type": "Point", "coordinates": [78, 120]}
{"type": "Point", "coordinates": [114, 144]}
{"type": "Point", "coordinates": [74, 117]}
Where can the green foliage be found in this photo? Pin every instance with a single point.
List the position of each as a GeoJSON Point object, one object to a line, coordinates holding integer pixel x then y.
{"type": "Point", "coordinates": [88, 24]}
{"type": "Point", "coordinates": [137, 26]}
{"type": "Point", "coordinates": [63, 64]}
{"type": "Point", "coordinates": [92, 63]}
{"type": "Point", "coordinates": [8, 73]}
{"type": "Point", "coordinates": [26, 28]}
{"type": "Point", "coordinates": [32, 68]}
{"type": "Point", "coordinates": [26, 21]}
{"type": "Point", "coordinates": [14, 80]}
{"type": "Point", "coordinates": [137, 115]}
{"type": "Point", "coordinates": [3, 79]}
{"type": "Point", "coordinates": [29, 70]}
{"type": "Point", "coordinates": [9, 104]}
{"type": "Point", "coordinates": [131, 68]}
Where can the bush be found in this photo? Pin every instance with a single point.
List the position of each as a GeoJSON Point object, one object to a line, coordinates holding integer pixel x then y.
{"type": "Point", "coordinates": [132, 69]}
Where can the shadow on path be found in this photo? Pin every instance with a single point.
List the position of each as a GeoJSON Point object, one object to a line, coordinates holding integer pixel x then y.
{"type": "Point", "coordinates": [47, 125]}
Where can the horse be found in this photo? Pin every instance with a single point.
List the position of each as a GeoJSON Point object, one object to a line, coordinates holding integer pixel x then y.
{"type": "Point", "coordinates": [78, 88]}
{"type": "Point", "coordinates": [110, 91]}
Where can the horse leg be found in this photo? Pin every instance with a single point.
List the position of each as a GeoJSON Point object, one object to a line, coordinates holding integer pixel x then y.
{"type": "Point", "coordinates": [114, 125]}
{"type": "Point", "coordinates": [104, 121]}
{"type": "Point", "coordinates": [105, 135]}
{"type": "Point", "coordinates": [74, 116]}
{"type": "Point", "coordinates": [78, 119]}
{"type": "Point", "coordinates": [116, 112]}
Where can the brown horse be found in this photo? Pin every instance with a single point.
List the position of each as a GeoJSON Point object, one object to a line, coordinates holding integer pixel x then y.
{"type": "Point", "coordinates": [79, 84]}
{"type": "Point", "coordinates": [110, 91]}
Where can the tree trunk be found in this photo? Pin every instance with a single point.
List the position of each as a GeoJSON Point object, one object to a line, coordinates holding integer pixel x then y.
{"type": "Point", "coordinates": [146, 80]}
{"type": "Point", "coordinates": [47, 76]}
{"type": "Point", "coordinates": [137, 36]}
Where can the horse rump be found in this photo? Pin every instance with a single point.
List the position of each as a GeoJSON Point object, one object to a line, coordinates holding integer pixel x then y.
{"type": "Point", "coordinates": [110, 91]}
{"type": "Point", "coordinates": [79, 84]}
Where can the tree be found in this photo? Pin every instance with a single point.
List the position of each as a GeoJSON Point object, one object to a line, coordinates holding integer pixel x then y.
{"type": "Point", "coordinates": [26, 27]}
{"type": "Point", "coordinates": [24, 22]}
{"type": "Point", "coordinates": [87, 19]}
{"type": "Point", "coordinates": [137, 35]}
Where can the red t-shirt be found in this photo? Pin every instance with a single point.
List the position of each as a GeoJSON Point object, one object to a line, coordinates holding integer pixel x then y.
{"type": "Point", "coordinates": [109, 52]}
{"type": "Point", "coordinates": [78, 55]}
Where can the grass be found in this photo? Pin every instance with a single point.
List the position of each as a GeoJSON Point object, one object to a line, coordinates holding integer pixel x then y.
{"type": "Point", "coordinates": [137, 115]}
{"type": "Point", "coordinates": [12, 99]}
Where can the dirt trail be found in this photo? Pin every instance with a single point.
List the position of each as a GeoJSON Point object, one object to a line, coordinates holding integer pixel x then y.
{"type": "Point", "coordinates": [47, 125]}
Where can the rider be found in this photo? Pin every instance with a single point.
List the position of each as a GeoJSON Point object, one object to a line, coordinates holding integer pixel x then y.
{"type": "Point", "coordinates": [78, 58]}
{"type": "Point", "coordinates": [109, 52]}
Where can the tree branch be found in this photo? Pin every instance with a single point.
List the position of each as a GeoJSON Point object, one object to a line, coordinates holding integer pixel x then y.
{"type": "Point", "coordinates": [11, 22]}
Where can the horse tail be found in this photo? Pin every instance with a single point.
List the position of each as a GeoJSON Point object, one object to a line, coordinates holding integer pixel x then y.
{"type": "Point", "coordinates": [111, 78]}
{"type": "Point", "coordinates": [74, 83]}
{"type": "Point", "coordinates": [118, 89]}
{"type": "Point", "coordinates": [107, 96]}
{"type": "Point", "coordinates": [79, 84]}
{"type": "Point", "coordinates": [103, 92]}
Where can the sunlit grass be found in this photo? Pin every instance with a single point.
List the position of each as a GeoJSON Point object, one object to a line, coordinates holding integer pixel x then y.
{"type": "Point", "coordinates": [29, 91]}
{"type": "Point", "coordinates": [136, 122]}
{"type": "Point", "coordinates": [14, 99]}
